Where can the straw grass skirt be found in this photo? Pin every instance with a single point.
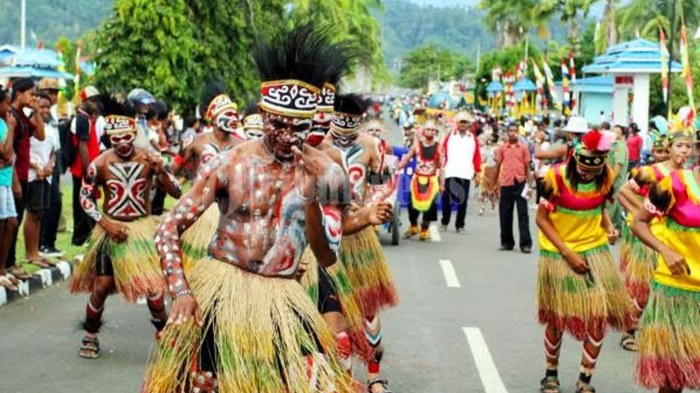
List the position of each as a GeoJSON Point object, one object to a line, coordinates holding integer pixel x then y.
{"type": "Point", "coordinates": [196, 239]}
{"type": "Point", "coordinates": [574, 302]}
{"type": "Point", "coordinates": [135, 262]}
{"type": "Point", "coordinates": [368, 272]}
{"type": "Point", "coordinates": [267, 335]}
{"type": "Point", "coordinates": [350, 308]}
{"type": "Point", "coordinates": [637, 263]}
{"type": "Point", "coordinates": [669, 339]}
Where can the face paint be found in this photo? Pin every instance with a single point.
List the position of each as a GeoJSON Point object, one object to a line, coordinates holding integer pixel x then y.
{"type": "Point", "coordinates": [343, 140]}
{"type": "Point", "coordinates": [680, 151]}
{"type": "Point", "coordinates": [319, 129]}
{"type": "Point", "coordinates": [123, 144]}
{"type": "Point", "coordinates": [284, 132]}
{"type": "Point", "coordinates": [588, 174]}
{"type": "Point", "coordinates": [253, 133]}
{"type": "Point", "coordinates": [227, 121]}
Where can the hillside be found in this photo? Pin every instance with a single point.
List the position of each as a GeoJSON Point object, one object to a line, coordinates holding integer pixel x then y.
{"type": "Point", "coordinates": [50, 19]}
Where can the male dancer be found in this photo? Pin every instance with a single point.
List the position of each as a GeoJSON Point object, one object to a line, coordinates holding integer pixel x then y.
{"type": "Point", "coordinates": [361, 253]}
{"type": "Point", "coordinates": [121, 255]}
{"type": "Point", "coordinates": [222, 116]}
{"type": "Point", "coordinates": [252, 122]}
{"type": "Point", "coordinates": [425, 184]}
{"type": "Point", "coordinates": [239, 321]}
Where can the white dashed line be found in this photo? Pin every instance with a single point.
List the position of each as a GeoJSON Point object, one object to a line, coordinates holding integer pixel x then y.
{"type": "Point", "coordinates": [449, 272]}
{"type": "Point", "coordinates": [484, 362]}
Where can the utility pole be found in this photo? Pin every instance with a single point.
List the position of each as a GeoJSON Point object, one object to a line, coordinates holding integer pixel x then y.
{"type": "Point", "coordinates": [670, 54]}
{"type": "Point", "coordinates": [23, 23]}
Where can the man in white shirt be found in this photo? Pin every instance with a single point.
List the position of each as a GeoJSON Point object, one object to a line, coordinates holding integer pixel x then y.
{"type": "Point", "coordinates": [42, 157]}
{"type": "Point", "coordinates": [50, 221]}
{"type": "Point", "coordinates": [461, 163]}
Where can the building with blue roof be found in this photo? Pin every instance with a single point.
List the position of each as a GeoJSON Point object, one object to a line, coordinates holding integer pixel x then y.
{"type": "Point", "coordinates": [626, 69]}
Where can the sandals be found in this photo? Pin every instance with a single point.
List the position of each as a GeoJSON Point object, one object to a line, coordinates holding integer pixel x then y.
{"type": "Point", "coordinates": [90, 348]}
{"type": "Point", "coordinates": [628, 342]}
{"type": "Point", "coordinates": [550, 385]}
{"type": "Point", "coordinates": [41, 262]}
{"type": "Point", "coordinates": [6, 283]}
{"type": "Point", "coordinates": [582, 387]}
{"type": "Point", "coordinates": [19, 273]}
{"type": "Point", "coordinates": [383, 382]}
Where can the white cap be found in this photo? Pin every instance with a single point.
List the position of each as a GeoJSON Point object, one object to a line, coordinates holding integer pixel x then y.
{"type": "Point", "coordinates": [577, 125]}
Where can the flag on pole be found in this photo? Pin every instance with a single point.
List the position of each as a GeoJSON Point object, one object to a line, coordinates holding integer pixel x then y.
{"type": "Point", "coordinates": [572, 75]}
{"type": "Point", "coordinates": [550, 81]}
{"type": "Point", "coordinates": [541, 99]}
{"type": "Point", "coordinates": [565, 86]}
{"type": "Point", "coordinates": [664, 64]}
{"type": "Point", "coordinates": [77, 64]}
{"type": "Point", "coordinates": [518, 71]}
{"type": "Point", "coordinates": [687, 75]}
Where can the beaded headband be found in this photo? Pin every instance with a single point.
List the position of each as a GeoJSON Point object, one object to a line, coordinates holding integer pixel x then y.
{"type": "Point", "coordinates": [289, 97]}
{"type": "Point", "coordinates": [218, 105]}
{"type": "Point", "coordinates": [326, 100]}
{"type": "Point", "coordinates": [254, 121]}
{"type": "Point", "coordinates": [117, 124]}
{"type": "Point", "coordinates": [346, 123]}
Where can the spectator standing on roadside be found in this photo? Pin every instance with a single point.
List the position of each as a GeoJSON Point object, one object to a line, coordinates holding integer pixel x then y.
{"type": "Point", "coordinates": [191, 129]}
{"type": "Point", "coordinates": [8, 213]}
{"type": "Point", "coordinates": [42, 155]}
{"type": "Point", "coordinates": [634, 146]}
{"type": "Point", "coordinates": [513, 173]}
{"type": "Point", "coordinates": [50, 221]}
{"type": "Point", "coordinates": [461, 163]}
{"type": "Point", "coordinates": [24, 110]}
{"type": "Point", "coordinates": [84, 128]}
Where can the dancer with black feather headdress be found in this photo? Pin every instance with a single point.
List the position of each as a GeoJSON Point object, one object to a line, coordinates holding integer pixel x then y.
{"type": "Point", "coordinates": [121, 254]}
{"type": "Point", "coordinates": [239, 321]}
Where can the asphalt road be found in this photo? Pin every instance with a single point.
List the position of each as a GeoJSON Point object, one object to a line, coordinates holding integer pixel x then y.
{"type": "Point", "coordinates": [427, 346]}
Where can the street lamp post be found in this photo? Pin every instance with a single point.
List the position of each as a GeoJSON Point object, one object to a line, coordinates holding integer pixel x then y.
{"type": "Point", "coordinates": [23, 22]}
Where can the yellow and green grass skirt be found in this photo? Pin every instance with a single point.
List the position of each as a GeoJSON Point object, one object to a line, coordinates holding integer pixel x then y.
{"type": "Point", "coordinates": [350, 308]}
{"type": "Point", "coordinates": [574, 302]}
{"type": "Point", "coordinates": [637, 263]}
{"type": "Point", "coordinates": [669, 339]}
{"type": "Point", "coordinates": [368, 272]}
{"type": "Point", "coordinates": [266, 331]}
{"type": "Point", "coordinates": [196, 239]}
{"type": "Point", "coordinates": [135, 262]}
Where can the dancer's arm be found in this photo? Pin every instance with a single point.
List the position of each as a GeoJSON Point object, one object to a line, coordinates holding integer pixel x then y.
{"type": "Point", "coordinates": [407, 157]}
{"type": "Point", "coordinates": [657, 204]}
{"type": "Point", "coordinates": [164, 177]}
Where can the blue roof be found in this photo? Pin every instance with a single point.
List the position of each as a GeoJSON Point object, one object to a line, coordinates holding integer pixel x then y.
{"type": "Point", "coordinates": [494, 87]}
{"type": "Point", "coordinates": [524, 85]}
{"type": "Point", "coordinates": [32, 72]}
{"type": "Point", "coordinates": [439, 97]}
{"type": "Point", "coordinates": [638, 56]}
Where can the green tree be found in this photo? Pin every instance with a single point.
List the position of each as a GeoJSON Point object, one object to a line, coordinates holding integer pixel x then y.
{"type": "Point", "coordinates": [150, 44]}
{"type": "Point", "coordinates": [431, 62]}
{"type": "Point", "coordinates": [647, 16]}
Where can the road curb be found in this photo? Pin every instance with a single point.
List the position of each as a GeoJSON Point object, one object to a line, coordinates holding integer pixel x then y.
{"type": "Point", "coordinates": [43, 278]}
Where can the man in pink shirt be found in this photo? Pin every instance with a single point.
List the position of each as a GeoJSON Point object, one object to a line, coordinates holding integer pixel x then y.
{"type": "Point", "coordinates": [513, 160]}
{"type": "Point", "coordinates": [634, 146]}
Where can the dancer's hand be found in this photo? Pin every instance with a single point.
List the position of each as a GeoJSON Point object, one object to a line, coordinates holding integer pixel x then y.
{"type": "Point", "coordinates": [676, 263]}
{"type": "Point", "coordinates": [380, 213]}
{"type": "Point", "coordinates": [184, 308]}
{"type": "Point", "coordinates": [613, 235]}
{"type": "Point", "coordinates": [117, 232]}
{"type": "Point", "coordinates": [576, 262]}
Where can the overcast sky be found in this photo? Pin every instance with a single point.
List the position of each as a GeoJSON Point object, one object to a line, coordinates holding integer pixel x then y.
{"type": "Point", "coordinates": [596, 10]}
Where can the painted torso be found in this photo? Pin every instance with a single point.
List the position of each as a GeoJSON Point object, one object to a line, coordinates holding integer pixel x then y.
{"type": "Point", "coordinates": [126, 184]}
{"type": "Point", "coordinates": [205, 147]}
{"type": "Point", "coordinates": [358, 159]}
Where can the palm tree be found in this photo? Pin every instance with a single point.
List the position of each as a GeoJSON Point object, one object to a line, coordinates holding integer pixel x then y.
{"type": "Point", "coordinates": [512, 20]}
{"type": "Point", "coordinates": [569, 11]}
{"type": "Point", "coordinates": [646, 17]}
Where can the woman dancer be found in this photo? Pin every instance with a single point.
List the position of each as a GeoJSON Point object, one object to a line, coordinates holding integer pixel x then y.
{"type": "Point", "coordinates": [637, 261]}
{"type": "Point", "coordinates": [579, 290]}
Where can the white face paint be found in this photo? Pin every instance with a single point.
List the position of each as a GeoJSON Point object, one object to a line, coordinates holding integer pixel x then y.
{"type": "Point", "coordinates": [284, 132]}
{"type": "Point", "coordinates": [123, 144]}
{"type": "Point", "coordinates": [227, 121]}
{"type": "Point", "coordinates": [343, 140]}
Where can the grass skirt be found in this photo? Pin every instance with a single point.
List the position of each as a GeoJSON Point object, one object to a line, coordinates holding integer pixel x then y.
{"type": "Point", "coordinates": [196, 239]}
{"type": "Point", "coordinates": [573, 302]}
{"type": "Point", "coordinates": [669, 339]}
{"type": "Point", "coordinates": [368, 272]}
{"type": "Point", "coordinates": [263, 329]}
{"type": "Point", "coordinates": [135, 262]}
{"type": "Point", "coordinates": [351, 309]}
{"type": "Point", "coordinates": [637, 263]}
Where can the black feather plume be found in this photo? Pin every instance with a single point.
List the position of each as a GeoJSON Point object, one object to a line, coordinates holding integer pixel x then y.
{"type": "Point", "coordinates": [353, 104]}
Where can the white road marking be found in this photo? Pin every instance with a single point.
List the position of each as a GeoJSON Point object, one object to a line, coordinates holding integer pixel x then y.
{"type": "Point", "coordinates": [449, 272]}
{"type": "Point", "coordinates": [484, 362]}
{"type": "Point", "coordinates": [141, 301]}
{"type": "Point", "coordinates": [434, 234]}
